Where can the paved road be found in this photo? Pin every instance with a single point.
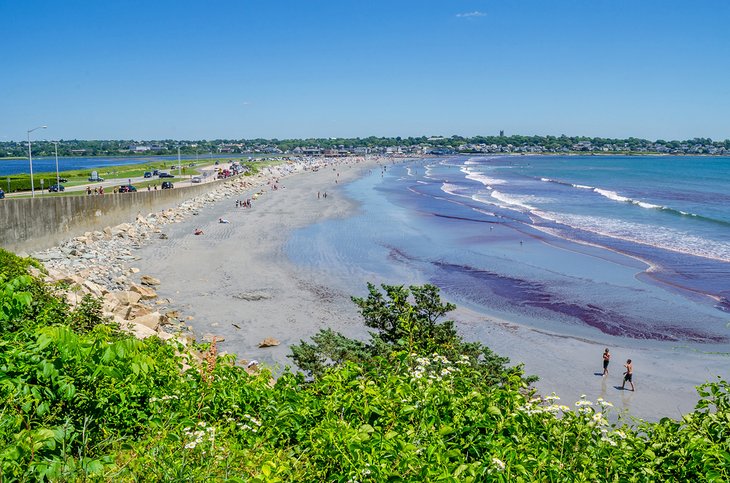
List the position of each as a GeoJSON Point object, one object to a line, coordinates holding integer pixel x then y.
{"type": "Point", "coordinates": [207, 175]}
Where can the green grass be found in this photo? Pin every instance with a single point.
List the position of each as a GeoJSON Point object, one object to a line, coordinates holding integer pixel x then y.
{"type": "Point", "coordinates": [21, 182]}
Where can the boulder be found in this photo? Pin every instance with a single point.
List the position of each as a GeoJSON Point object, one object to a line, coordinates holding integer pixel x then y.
{"type": "Point", "coordinates": [138, 330]}
{"type": "Point", "coordinates": [151, 320]}
{"type": "Point", "coordinates": [146, 293]}
{"type": "Point", "coordinates": [138, 310]}
{"type": "Point", "coordinates": [94, 289]}
{"type": "Point", "coordinates": [269, 342]}
{"type": "Point", "coordinates": [110, 302]}
{"type": "Point", "coordinates": [127, 297]}
{"type": "Point", "coordinates": [149, 281]}
{"type": "Point", "coordinates": [210, 337]}
{"type": "Point", "coordinates": [122, 312]}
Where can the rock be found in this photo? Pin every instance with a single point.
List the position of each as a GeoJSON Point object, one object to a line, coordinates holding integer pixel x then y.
{"type": "Point", "coordinates": [269, 342]}
{"type": "Point", "coordinates": [133, 270]}
{"type": "Point", "coordinates": [163, 236]}
{"type": "Point", "coordinates": [145, 293]}
{"type": "Point", "coordinates": [127, 297]}
{"type": "Point", "coordinates": [110, 302]}
{"type": "Point", "coordinates": [147, 280]}
{"type": "Point", "coordinates": [35, 272]}
{"type": "Point", "coordinates": [138, 310]}
{"type": "Point", "coordinates": [94, 289]}
{"type": "Point", "coordinates": [151, 320]}
{"type": "Point", "coordinates": [209, 338]}
{"type": "Point", "coordinates": [164, 335]}
{"type": "Point", "coordinates": [123, 312]}
{"type": "Point", "coordinates": [252, 296]}
{"type": "Point", "coordinates": [173, 314]}
{"type": "Point", "coordinates": [138, 330]}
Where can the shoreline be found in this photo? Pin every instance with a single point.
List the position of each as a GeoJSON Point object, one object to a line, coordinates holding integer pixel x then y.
{"type": "Point", "coordinates": [236, 282]}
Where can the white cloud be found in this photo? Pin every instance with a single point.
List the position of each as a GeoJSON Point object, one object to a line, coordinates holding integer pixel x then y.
{"type": "Point", "coordinates": [475, 13]}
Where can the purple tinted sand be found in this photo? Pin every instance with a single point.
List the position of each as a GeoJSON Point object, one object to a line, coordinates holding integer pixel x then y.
{"type": "Point", "coordinates": [522, 293]}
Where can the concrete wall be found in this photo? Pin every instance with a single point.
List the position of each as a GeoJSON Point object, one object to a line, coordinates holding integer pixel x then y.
{"type": "Point", "coordinates": [36, 223]}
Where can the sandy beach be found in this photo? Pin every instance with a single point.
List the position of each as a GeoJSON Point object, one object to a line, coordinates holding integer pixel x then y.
{"type": "Point", "coordinates": [236, 282]}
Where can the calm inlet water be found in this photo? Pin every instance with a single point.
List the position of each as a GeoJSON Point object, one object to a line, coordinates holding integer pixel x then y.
{"type": "Point", "coordinates": [597, 246]}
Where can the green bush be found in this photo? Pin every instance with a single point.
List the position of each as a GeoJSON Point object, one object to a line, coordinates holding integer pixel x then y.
{"type": "Point", "coordinates": [88, 402]}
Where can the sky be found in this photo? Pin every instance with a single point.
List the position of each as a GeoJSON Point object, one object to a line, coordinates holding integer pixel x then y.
{"type": "Point", "coordinates": [242, 69]}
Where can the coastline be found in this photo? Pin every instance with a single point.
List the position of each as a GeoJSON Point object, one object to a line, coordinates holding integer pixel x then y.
{"type": "Point", "coordinates": [236, 282]}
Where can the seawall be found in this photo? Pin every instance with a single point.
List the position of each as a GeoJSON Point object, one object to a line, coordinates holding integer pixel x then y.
{"type": "Point", "coordinates": [37, 223]}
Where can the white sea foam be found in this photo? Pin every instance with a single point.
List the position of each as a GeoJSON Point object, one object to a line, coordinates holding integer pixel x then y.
{"type": "Point", "coordinates": [454, 189]}
{"type": "Point", "coordinates": [583, 187]}
{"type": "Point", "coordinates": [510, 201]}
{"type": "Point", "coordinates": [482, 178]}
{"type": "Point", "coordinates": [651, 235]}
{"type": "Point", "coordinates": [612, 195]}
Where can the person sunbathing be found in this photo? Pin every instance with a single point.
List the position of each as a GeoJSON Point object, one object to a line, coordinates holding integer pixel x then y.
{"type": "Point", "coordinates": [198, 231]}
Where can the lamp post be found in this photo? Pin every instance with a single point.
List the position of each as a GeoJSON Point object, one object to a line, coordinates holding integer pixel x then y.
{"type": "Point", "coordinates": [58, 179]}
{"type": "Point", "coordinates": [30, 160]}
{"type": "Point", "coordinates": [179, 166]}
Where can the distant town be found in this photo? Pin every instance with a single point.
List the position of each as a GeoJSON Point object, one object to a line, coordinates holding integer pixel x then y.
{"type": "Point", "coordinates": [438, 145]}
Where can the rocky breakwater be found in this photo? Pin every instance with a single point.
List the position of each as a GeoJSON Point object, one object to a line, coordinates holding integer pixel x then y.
{"type": "Point", "coordinates": [100, 264]}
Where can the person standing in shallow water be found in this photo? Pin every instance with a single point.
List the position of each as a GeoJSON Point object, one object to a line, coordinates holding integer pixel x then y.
{"type": "Point", "coordinates": [606, 360]}
{"type": "Point", "coordinates": [628, 375]}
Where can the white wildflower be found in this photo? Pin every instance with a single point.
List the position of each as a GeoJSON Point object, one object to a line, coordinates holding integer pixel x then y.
{"type": "Point", "coordinates": [499, 464]}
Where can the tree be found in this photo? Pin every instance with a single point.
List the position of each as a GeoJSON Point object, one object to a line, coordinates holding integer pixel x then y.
{"type": "Point", "coordinates": [406, 320]}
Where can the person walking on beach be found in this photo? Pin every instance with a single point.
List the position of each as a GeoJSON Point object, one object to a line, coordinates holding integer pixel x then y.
{"type": "Point", "coordinates": [628, 374]}
{"type": "Point", "coordinates": [606, 360]}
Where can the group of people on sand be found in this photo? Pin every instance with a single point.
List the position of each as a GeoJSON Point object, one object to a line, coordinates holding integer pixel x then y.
{"type": "Point", "coordinates": [628, 374]}
{"type": "Point", "coordinates": [243, 203]}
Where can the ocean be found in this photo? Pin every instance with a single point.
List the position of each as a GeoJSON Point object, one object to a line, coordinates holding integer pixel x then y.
{"type": "Point", "coordinates": [635, 248]}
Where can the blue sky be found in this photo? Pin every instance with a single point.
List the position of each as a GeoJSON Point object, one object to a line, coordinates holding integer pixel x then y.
{"type": "Point", "coordinates": [655, 69]}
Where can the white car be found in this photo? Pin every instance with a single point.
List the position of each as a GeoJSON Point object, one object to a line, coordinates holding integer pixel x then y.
{"type": "Point", "coordinates": [196, 179]}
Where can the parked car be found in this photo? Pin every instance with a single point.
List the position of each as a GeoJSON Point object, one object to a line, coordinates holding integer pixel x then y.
{"type": "Point", "coordinates": [147, 174]}
{"type": "Point", "coordinates": [94, 180]}
{"type": "Point", "coordinates": [127, 188]}
{"type": "Point", "coordinates": [62, 180]}
{"type": "Point", "coordinates": [166, 185]}
{"type": "Point", "coordinates": [196, 179]}
{"type": "Point", "coordinates": [2, 194]}
{"type": "Point", "coordinates": [55, 188]}
{"type": "Point", "coordinates": [165, 175]}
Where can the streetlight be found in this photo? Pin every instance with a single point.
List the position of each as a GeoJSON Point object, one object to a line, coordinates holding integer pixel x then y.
{"type": "Point", "coordinates": [58, 179]}
{"type": "Point", "coordinates": [30, 160]}
{"type": "Point", "coordinates": [179, 166]}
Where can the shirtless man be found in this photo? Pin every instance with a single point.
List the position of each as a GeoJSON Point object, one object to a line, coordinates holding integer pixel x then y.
{"type": "Point", "coordinates": [606, 360]}
{"type": "Point", "coordinates": [628, 374]}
